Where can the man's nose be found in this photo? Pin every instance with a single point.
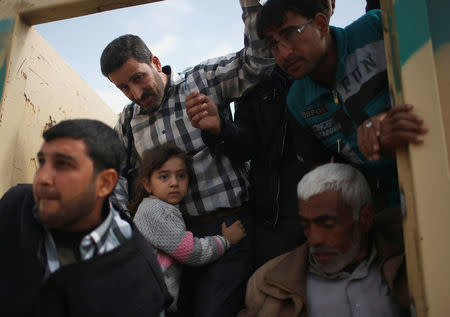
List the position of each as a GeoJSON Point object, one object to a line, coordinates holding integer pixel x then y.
{"type": "Point", "coordinates": [44, 175]}
{"type": "Point", "coordinates": [315, 237]}
{"type": "Point", "coordinates": [136, 91]}
{"type": "Point", "coordinates": [284, 50]}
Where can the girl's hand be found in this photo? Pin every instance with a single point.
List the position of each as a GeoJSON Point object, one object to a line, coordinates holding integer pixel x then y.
{"type": "Point", "coordinates": [234, 233]}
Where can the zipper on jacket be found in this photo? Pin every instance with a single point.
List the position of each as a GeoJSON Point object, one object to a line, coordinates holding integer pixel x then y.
{"type": "Point", "coordinates": [277, 194]}
{"type": "Point", "coordinates": [338, 102]}
{"type": "Point", "coordinates": [335, 97]}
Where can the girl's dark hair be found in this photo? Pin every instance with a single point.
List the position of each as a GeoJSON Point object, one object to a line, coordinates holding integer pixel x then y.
{"type": "Point", "coordinates": [153, 159]}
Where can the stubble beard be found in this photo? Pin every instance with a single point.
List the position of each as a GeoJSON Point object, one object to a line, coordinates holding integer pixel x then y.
{"type": "Point", "coordinates": [157, 94]}
{"type": "Point", "coordinates": [71, 211]}
{"type": "Point", "coordinates": [341, 260]}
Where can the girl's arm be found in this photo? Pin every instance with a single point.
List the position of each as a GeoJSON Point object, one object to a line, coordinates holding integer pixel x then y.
{"type": "Point", "coordinates": [163, 226]}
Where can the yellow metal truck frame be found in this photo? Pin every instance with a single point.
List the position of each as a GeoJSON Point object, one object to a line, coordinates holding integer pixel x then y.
{"type": "Point", "coordinates": [417, 38]}
{"type": "Point", "coordinates": [417, 41]}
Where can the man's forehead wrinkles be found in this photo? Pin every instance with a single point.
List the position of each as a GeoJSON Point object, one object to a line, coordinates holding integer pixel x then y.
{"type": "Point", "coordinates": [64, 148]}
{"type": "Point", "coordinates": [317, 214]}
{"type": "Point", "coordinates": [323, 217]}
{"type": "Point", "coordinates": [64, 156]}
{"type": "Point", "coordinates": [57, 155]}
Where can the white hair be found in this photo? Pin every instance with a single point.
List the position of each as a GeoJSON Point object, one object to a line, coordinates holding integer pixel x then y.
{"type": "Point", "coordinates": [355, 190]}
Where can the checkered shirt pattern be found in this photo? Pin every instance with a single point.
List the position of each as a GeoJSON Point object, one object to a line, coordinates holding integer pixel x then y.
{"type": "Point", "coordinates": [217, 182]}
{"type": "Point", "coordinates": [109, 235]}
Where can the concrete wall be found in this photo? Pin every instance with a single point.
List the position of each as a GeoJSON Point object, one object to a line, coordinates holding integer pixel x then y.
{"type": "Point", "coordinates": [37, 89]}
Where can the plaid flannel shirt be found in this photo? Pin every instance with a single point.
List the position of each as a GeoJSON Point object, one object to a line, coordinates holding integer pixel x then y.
{"type": "Point", "coordinates": [217, 182]}
{"type": "Point", "coordinates": [109, 235]}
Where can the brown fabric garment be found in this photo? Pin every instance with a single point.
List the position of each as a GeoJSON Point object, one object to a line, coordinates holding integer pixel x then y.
{"type": "Point", "coordinates": [278, 288]}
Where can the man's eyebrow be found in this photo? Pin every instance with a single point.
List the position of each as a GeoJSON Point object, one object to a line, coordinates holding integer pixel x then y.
{"type": "Point", "coordinates": [60, 156]}
{"type": "Point", "coordinates": [65, 157]}
{"type": "Point", "coordinates": [268, 38]}
{"type": "Point", "coordinates": [136, 74]}
{"type": "Point", "coordinates": [287, 28]}
{"type": "Point", "coordinates": [321, 218]}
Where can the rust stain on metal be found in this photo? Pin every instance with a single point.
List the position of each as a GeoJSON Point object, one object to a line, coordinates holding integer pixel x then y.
{"type": "Point", "coordinates": [33, 163]}
{"type": "Point", "coordinates": [50, 123]}
{"type": "Point", "coordinates": [29, 104]}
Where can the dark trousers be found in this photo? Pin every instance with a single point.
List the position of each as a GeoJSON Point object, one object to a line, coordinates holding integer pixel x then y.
{"type": "Point", "coordinates": [217, 289]}
{"type": "Point", "coordinates": [269, 243]}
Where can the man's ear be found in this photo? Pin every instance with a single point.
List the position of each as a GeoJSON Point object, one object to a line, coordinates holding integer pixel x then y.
{"type": "Point", "coordinates": [147, 184]}
{"type": "Point", "coordinates": [154, 61]}
{"type": "Point", "coordinates": [321, 21]}
{"type": "Point", "coordinates": [366, 217]}
{"type": "Point", "coordinates": [106, 181]}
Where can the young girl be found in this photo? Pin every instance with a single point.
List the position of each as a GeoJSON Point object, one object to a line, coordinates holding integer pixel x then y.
{"type": "Point", "coordinates": [162, 183]}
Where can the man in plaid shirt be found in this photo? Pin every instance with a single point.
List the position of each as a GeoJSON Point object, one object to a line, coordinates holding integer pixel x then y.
{"type": "Point", "coordinates": [157, 115]}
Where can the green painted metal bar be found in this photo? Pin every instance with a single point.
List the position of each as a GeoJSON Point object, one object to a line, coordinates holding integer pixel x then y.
{"type": "Point", "coordinates": [6, 30]}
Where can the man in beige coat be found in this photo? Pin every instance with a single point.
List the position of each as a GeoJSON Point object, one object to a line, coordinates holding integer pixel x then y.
{"type": "Point", "coordinates": [352, 263]}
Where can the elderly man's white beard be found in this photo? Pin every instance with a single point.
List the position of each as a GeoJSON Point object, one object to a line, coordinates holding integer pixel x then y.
{"type": "Point", "coordinates": [341, 260]}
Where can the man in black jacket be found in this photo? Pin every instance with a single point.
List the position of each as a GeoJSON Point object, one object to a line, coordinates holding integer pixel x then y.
{"type": "Point", "coordinates": [66, 250]}
{"type": "Point", "coordinates": [280, 153]}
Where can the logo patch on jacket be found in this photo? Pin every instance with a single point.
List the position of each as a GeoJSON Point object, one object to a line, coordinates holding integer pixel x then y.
{"type": "Point", "coordinates": [326, 128]}
{"type": "Point", "coordinates": [314, 112]}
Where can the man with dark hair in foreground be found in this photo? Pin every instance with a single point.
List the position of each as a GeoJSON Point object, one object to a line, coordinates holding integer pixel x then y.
{"type": "Point", "coordinates": [66, 249]}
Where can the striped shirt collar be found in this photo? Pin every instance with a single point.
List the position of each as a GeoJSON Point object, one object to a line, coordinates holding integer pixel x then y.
{"type": "Point", "coordinates": [109, 235]}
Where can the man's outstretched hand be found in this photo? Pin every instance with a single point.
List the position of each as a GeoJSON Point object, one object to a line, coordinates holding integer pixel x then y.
{"type": "Point", "coordinates": [202, 112]}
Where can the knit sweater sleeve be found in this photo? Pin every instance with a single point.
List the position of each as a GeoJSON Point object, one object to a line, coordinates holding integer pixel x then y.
{"type": "Point", "coordinates": [163, 226]}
